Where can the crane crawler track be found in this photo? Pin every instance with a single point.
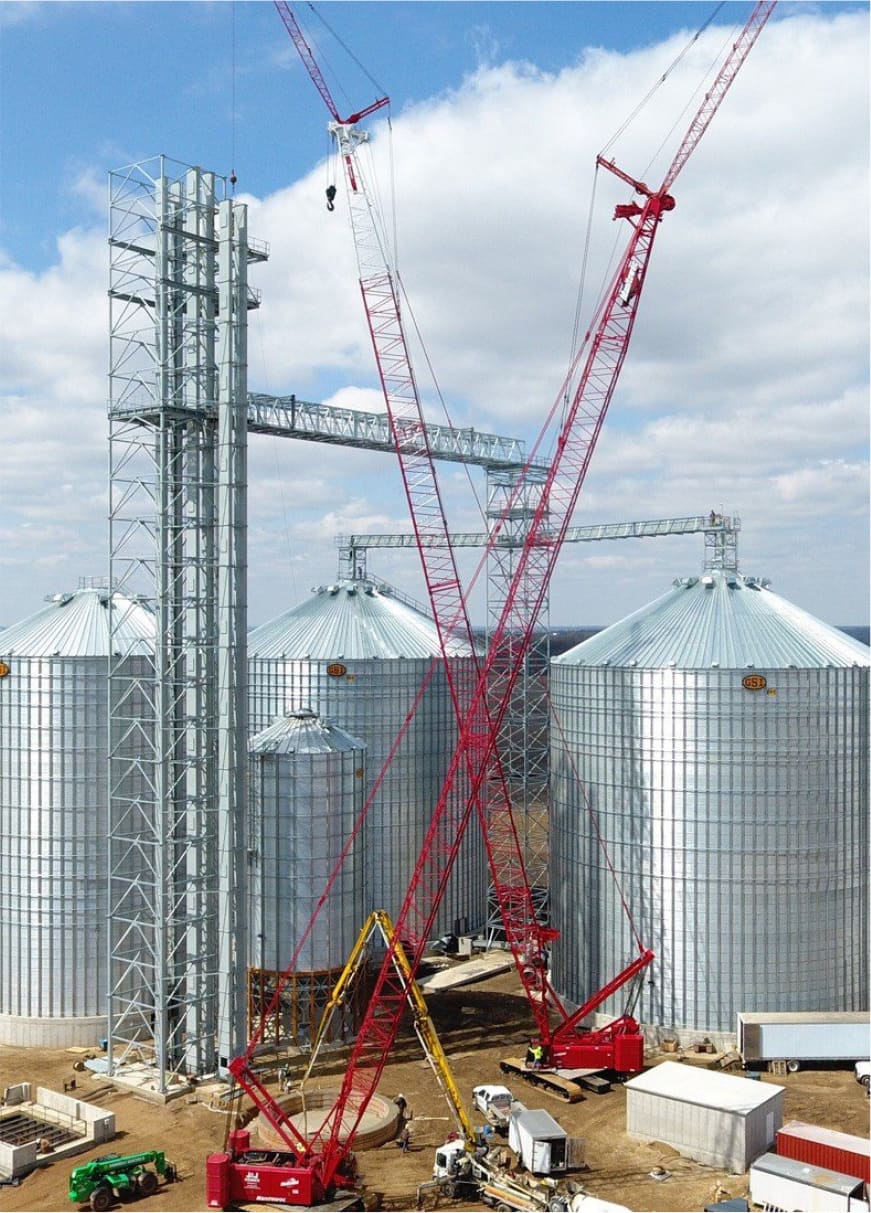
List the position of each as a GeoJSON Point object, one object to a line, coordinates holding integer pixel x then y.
{"type": "Point", "coordinates": [545, 1080]}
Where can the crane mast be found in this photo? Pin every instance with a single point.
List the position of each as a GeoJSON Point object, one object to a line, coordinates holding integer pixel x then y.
{"type": "Point", "coordinates": [594, 375]}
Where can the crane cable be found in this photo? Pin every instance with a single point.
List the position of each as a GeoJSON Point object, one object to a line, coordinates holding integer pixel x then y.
{"type": "Point", "coordinates": [233, 98]}
{"type": "Point", "coordinates": [348, 52]}
{"type": "Point", "coordinates": [627, 122]}
{"type": "Point", "coordinates": [390, 248]}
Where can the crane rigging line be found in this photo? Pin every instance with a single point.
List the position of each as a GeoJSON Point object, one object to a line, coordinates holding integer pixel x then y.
{"type": "Point", "coordinates": [627, 122]}
{"type": "Point", "coordinates": [730, 37]}
{"type": "Point", "coordinates": [466, 468]}
{"type": "Point", "coordinates": [233, 97]}
{"type": "Point", "coordinates": [348, 51]}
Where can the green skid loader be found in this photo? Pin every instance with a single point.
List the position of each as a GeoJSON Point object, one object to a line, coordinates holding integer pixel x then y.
{"type": "Point", "coordinates": [119, 1177]}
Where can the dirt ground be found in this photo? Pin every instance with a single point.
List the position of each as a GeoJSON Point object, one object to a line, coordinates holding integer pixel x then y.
{"type": "Point", "coordinates": [478, 1025]}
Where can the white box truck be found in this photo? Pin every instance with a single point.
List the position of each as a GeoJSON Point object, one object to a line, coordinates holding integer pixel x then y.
{"type": "Point", "coordinates": [797, 1187]}
{"type": "Point", "coordinates": [541, 1143]}
{"type": "Point", "coordinates": [799, 1036]}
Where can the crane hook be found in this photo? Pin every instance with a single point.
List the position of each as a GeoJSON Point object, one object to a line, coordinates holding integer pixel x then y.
{"type": "Point", "coordinates": [331, 194]}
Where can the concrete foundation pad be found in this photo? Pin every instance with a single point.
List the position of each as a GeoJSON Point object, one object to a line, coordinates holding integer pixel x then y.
{"type": "Point", "coordinates": [46, 1127]}
{"type": "Point", "coordinates": [478, 969]}
{"type": "Point", "coordinates": [142, 1079]}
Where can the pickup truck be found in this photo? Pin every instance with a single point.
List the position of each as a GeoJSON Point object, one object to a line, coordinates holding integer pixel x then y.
{"type": "Point", "coordinates": [862, 1070]}
{"type": "Point", "coordinates": [494, 1102]}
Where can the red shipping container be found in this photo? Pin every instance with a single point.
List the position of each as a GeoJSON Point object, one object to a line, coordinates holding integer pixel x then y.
{"type": "Point", "coordinates": [819, 1147]}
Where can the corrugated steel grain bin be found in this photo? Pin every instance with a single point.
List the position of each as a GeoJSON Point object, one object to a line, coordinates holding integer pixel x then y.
{"type": "Point", "coordinates": [783, 1183]}
{"type": "Point", "coordinates": [362, 659]}
{"type": "Point", "coordinates": [717, 1119]}
{"type": "Point", "coordinates": [712, 753]}
{"type": "Point", "coordinates": [54, 806]}
{"type": "Point", "coordinates": [821, 1147]}
{"type": "Point", "coordinates": [306, 794]}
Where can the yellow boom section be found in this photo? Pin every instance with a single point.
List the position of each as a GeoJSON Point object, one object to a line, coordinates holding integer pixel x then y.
{"type": "Point", "coordinates": [380, 922]}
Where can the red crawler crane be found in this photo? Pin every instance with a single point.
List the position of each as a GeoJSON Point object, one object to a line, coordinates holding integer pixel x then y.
{"type": "Point", "coordinates": [314, 1166]}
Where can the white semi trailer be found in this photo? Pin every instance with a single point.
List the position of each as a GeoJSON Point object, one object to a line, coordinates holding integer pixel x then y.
{"type": "Point", "coordinates": [796, 1187]}
{"type": "Point", "coordinates": [801, 1036]}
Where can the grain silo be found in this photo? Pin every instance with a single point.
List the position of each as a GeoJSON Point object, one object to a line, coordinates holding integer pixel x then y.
{"type": "Point", "coordinates": [54, 735]}
{"type": "Point", "coordinates": [306, 780]}
{"type": "Point", "coordinates": [359, 657]}
{"type": "Point", "coordinates": [720, 734]}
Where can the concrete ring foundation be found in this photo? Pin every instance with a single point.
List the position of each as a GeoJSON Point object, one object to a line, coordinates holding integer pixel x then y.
{"type": "Point", "coordinates": [379, 1124]}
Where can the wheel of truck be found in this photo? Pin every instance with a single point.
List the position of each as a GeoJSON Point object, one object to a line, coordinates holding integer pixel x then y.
{"type": "Point", "coordinates": [793, 1066]}
{"type": "Point", "coordinates": [866, 1081]}
{"type": "Point", "coordinates": [101, 1198]}
{"type": "Point", "coordinates": [148, 1183]}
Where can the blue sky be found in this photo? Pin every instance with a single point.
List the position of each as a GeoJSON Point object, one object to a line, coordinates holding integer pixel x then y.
{"type": "Point", "coordinates": [745, 387]}
{"type": "Point", "coordinates": [90, 86]}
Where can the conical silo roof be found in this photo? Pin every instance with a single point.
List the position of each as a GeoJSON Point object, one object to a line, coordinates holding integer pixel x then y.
{"type": "Point", "coordinates": [303, 732]}
{"type": "Point", "coordinates": [719, 619]}
{"type": "Point", "coordinates": [352, 620]}
{"type": "Point", "coordinates": [78, 625]}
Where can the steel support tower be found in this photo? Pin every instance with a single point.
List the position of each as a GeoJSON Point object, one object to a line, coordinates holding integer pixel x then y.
{"type": "Point", "coordinates": [179, 297]}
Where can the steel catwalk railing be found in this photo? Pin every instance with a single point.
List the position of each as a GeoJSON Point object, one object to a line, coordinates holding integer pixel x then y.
{"type": "Point", "coordinates": [720, 525]}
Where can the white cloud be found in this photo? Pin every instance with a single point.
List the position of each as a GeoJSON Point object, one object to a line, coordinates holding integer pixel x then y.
{"type": "Point", "coordinates": [745, 386]}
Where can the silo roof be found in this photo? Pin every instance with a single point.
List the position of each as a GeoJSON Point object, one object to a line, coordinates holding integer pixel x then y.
{"type": "Point", "coordinates": [78, 625]}
{"type": "Point", "coordinates": [303, 732]}
{"type": "Point", "coordinates": [351, 620]}
{"type": "Point", "coordinates": [719, 619]}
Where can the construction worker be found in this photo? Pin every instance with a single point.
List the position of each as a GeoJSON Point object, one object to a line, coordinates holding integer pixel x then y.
{"type": "Point", "coordinates": [537, 1056]}
{"type": "Point", "coordinates": [405, 1139]}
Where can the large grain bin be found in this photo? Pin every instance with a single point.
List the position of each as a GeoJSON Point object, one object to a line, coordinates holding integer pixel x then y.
{"type": "Point", "coordinates": [359, 657]}
{"type": "Point", "coordinates": [54, 735]}
{"type": "Point", "coordinates": [719, 736]}
{"type": "Point", "coordinates": [717, 1119]}
{"type": "Point", "coordinates": [306, 782]}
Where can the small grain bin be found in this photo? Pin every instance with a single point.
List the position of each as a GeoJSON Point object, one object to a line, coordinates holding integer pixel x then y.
{"type": "Point", "coordinates": [307, 779]}
{"type": "Point", "coordinates": [713, 748]}
{"type": "Point", "coordinates": [54, 737]}
{"type": "Point", "coordinates": [361, 658]}
{"type": "Point", "coordinates": [717, 1119]}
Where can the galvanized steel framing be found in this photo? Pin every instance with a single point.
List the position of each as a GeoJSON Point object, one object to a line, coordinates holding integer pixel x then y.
{"type": "Point", "coordinates": [177, 451]}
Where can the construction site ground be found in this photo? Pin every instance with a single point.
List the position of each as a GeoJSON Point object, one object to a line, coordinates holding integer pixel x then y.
{"type": "Point", "coordinates": [478, 1025]}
